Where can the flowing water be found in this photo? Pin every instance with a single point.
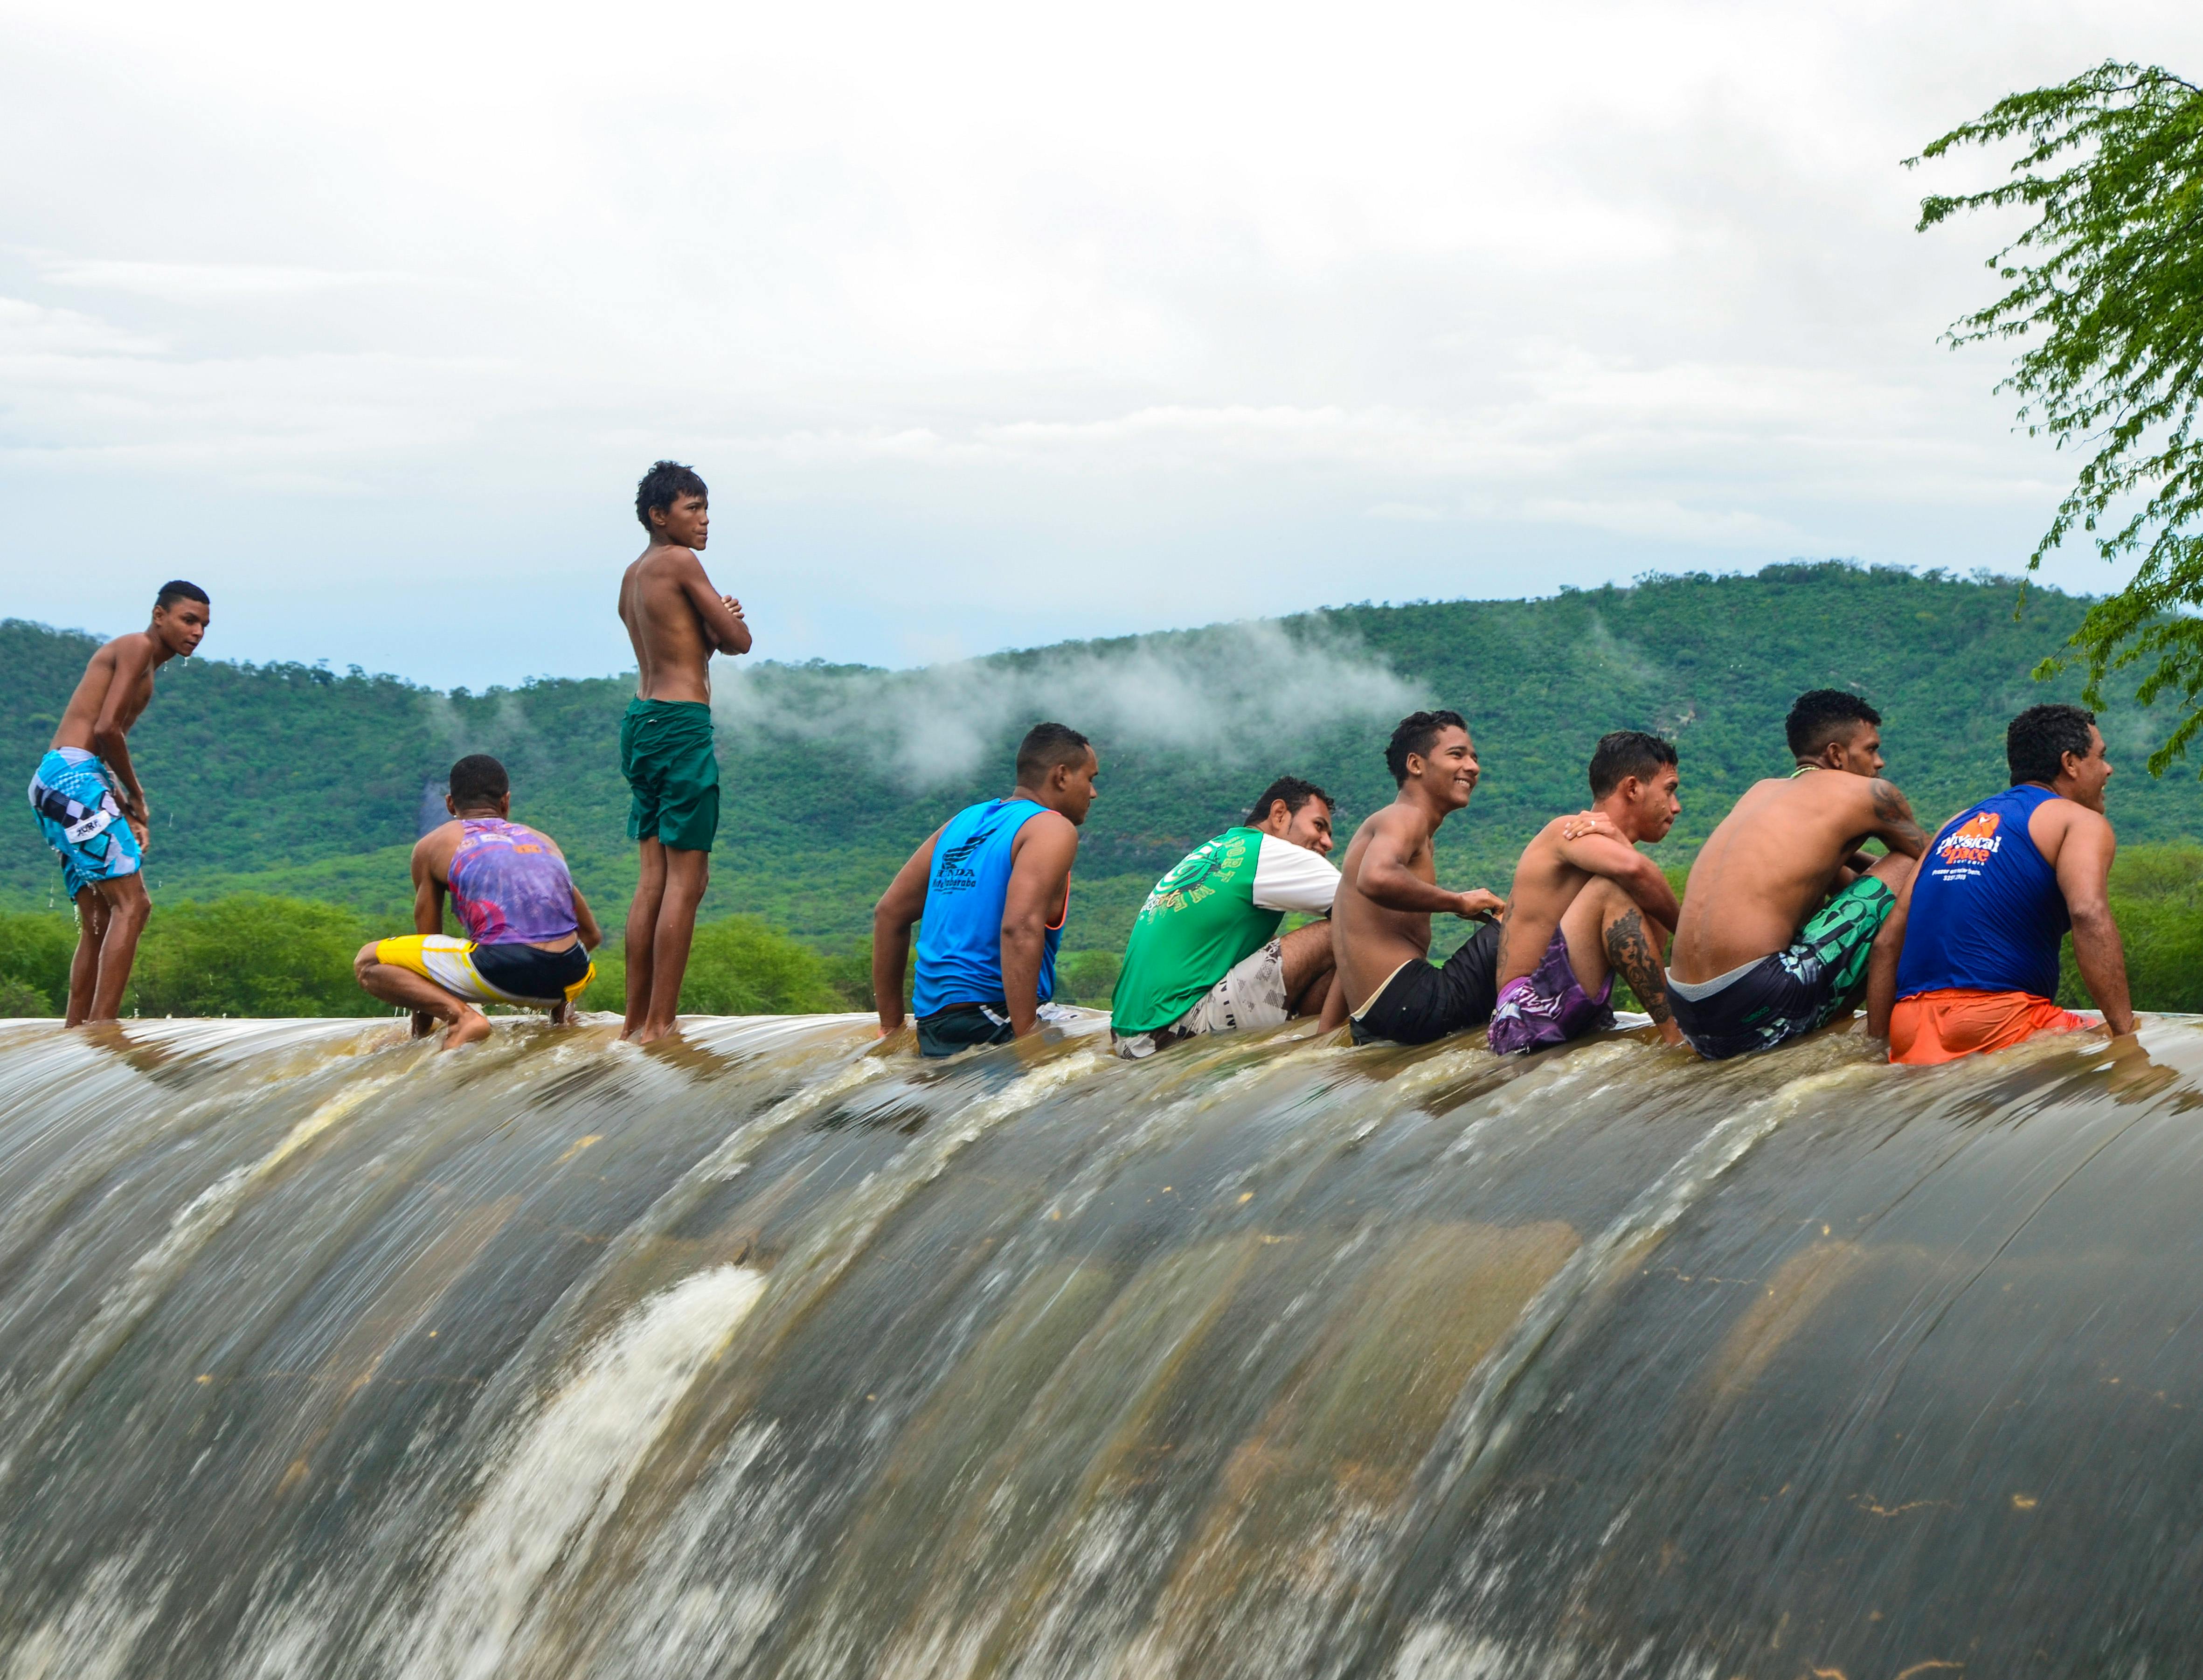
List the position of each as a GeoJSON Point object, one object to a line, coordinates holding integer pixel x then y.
{"type": "Point", "coordinates": [767, 1353]}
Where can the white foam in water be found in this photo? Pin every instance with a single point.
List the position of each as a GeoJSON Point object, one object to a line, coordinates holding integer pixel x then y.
{"type": "Point", "coordinates": [563, 1471]}
{"type": "Point", "coordinates": [94, 1637]}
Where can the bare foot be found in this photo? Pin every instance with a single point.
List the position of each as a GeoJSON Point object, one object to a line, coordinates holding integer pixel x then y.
{"type": "Point", "coordinates": [470, 1029]}
{"type": "Point", "coordinates": [647, 1034]}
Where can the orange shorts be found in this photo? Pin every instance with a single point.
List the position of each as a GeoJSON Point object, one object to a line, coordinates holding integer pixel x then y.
{"type": "Point", "coordinates": [1932, 1026]}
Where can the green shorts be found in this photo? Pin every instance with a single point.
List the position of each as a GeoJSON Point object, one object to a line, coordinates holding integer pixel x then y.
{"type": "Point", "coordinates": [665, 753]}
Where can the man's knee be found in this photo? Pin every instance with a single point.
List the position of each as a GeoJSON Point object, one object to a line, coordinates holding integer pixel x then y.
{"type": "Point", "coordinates": [366, 959]}
{"type": "Point", "coordinates": [1895, 870]}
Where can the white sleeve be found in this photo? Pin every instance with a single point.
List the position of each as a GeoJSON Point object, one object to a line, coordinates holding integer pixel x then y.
{"type": "Point", "coordinates": [1292, 878]}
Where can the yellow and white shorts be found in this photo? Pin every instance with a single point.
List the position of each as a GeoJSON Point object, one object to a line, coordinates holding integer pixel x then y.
{"type": "Point", "coordinates": [492, 973]}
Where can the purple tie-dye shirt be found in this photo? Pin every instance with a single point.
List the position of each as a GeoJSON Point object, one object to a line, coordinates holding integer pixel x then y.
{"type": "Point", "coordinates": [509, 885]}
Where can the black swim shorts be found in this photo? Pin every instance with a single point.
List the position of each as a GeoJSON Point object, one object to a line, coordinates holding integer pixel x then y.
{"type": "Point", "coordinates": [1788, 993]}
{"type": "Point", "coordinates": [1424, 1001]}
{"type": "Point", "coordinates": [961, 1025]}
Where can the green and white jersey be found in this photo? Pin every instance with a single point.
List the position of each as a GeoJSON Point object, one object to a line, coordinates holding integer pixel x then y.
{"type": "Point", "coordinates": [1222, 903]}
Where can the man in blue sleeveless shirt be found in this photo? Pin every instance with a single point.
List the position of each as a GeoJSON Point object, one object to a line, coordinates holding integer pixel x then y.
{"type": "Point", "coordinates": [990, 889]}
{"type": "Point", "coordinates": [2000, 885]}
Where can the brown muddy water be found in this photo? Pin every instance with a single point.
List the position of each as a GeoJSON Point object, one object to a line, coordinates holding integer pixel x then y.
{"type": "Point", "coordinates": [769, 1354]}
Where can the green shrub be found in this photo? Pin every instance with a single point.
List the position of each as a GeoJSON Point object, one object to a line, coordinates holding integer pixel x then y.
{"type": "Point", "coordinates": [1088, 977]}
{"type": "Point", "coordinates": [35, 949]}
{"type": "Point", "coordinates": [250, 955]}
{"type": "Point", "coordinates": [18, 1000]}
{"type": "Point", "coordinates": [741, 967]}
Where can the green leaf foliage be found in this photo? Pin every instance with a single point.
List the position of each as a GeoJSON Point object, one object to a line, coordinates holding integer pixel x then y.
{"type": "Point", "coordinates": [2105, 288]}
{"type": "Point", "coordinates": [250, 955]}
{"type": "Point", "coordinates": [741, 967]}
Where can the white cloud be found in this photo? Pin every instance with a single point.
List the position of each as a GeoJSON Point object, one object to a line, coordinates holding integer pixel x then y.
{"type": "Point", "coordinates": [998, 323]}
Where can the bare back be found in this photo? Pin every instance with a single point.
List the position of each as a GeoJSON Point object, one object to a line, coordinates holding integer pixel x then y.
{"type": "Point", "coordinates": [128, 661]}
{"type": "Point", "coordinates": [1368, 940]}
{"type": "Point", "coordinates": [1545, 884]}
{"type": "Point", "coordinates": [1773, 860]}
{"type": "Point", "coordinates": [677, 622]}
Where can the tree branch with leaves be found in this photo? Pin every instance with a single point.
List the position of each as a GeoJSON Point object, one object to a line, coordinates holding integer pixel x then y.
{"type": "Point", "coordinates": [2107, 289]}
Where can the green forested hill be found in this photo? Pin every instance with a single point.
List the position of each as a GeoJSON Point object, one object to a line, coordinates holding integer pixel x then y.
{"type": "Point", "coordinates": [296, 780]}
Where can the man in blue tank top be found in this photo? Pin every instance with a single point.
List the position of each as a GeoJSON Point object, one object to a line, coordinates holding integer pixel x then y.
{"type": "Point", "coordinates": [989, 890]}
{"type": "Point", "coordinates": [2001, 883]}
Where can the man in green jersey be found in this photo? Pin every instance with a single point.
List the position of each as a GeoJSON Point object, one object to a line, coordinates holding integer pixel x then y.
{"type": "Point", "coordinates": [1204, 955]}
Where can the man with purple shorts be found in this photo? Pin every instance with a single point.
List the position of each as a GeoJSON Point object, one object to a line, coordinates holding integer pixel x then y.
{"type": "Point", "coordinates": [1587, 903]}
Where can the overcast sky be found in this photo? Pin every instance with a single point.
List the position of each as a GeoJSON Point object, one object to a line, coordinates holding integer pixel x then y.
{"type": "Point", "coordinates": [989, 326]}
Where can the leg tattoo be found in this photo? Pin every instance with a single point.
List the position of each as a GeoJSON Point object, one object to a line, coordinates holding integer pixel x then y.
{"type": "Point", "coordinates": [1631, 950]}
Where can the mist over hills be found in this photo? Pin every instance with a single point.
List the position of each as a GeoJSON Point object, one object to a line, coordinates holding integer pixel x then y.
{"type": "Point", "coordinates": [296, 779]}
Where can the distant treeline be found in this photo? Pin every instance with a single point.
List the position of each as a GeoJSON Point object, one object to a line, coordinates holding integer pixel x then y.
{"type": "Point", "coordinates": [256, 954]}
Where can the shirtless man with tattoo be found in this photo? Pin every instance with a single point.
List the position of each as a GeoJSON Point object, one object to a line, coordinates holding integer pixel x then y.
{"type": "Point", "coordinates": [1786, 924]}
{"type": "Point", "coordinates": [1587, 903]}
{"type": "Point", "coordinates": [90, 807]}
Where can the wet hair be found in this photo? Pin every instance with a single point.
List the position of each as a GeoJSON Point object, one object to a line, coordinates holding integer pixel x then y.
{"type": "Point", "coordinates": [2035, 742]}
{"type": "Point", "coordinates": [665, 483]}
{"type": "Point", "coordinates": [1821, 715]}
{"type": "Point", "coordinates": [176, 589]}
{"type": "Point", "coordinates": [477, 780]}
{"type": "Point", "coordinates": [1294, 792]}
{"type": "Point", "coordinates": [1415, 735]}
{"type": "Point", "coordinates": [1627, 752]}
{"type": "Point", "coordinates": [1045, 747]}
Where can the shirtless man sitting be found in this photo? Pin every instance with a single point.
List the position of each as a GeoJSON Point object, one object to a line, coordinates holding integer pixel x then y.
{"type": "Point", "coordinates": [90, 806]}
{"type": "Point", "coordinates": [677, 621]}
{"type": "Point", "coordinates": [530, 931]}
{"type": "Point", "coordinates": [1784, 922]}
{"type": "Point", "coordinates": [1388, 890]}
{"type": "Point", "coordinates": [1587, 903]}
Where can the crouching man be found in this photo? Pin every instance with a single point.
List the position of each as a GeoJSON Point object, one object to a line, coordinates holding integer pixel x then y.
{"type": "Point", "coordinates": [1587, 904]}
{"type": "Point", "coordinates": [529, 930]}
{"type": "Point", "coordinates": [1205, 956]}
{"type": "Point", "coordinates": [1982, 916]}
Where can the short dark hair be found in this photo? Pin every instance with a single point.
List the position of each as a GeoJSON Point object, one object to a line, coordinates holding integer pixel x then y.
{"type": "Point", "coordinates": [1627, 752]}
{"type": "Point", "coordinates": [1294, 792]}
{"type": "Point", "coordinates": [1415, 734]}
{"type": "Point", "coordinates": [665, 483]}
{"type": "Point", "coordinates": [176, 589]}
{"type": "Point", "coordinates": [1820, 715]}
{"type": "Point", "coordinates": [478, 780]}
{"type": "Point", "coordinates": [2035, 742]}
{"type": "Point", "coordinates": [1045, 747]}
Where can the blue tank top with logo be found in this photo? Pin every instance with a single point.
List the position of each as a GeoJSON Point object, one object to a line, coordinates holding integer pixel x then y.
{"type": "Point", "coordinates": [959, 942]}
{"type": "Point", "coordinates": [1987, 911]}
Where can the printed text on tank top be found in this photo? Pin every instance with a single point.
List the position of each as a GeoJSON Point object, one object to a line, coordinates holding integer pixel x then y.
{"type": "Point", "coordinates": [510, 886]}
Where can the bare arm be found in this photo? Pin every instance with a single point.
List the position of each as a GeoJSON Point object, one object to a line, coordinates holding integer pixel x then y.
{"type": "Point", "coordinates": [722, 615]}
{"type": "Point", "coordinates": [427, 894]}
{"type": "Point", "coordinates": [892, 917]}
{"type": "Point", "coordinates": [1629, 869]}
{"type": "Point", "coordinates": [1386, 879]}
{"type": "Point", "coordinates": [584, 921]}
{"type": "Point", "coordinates": [110, 738]}
{"type": "Point", "coordinates": [1882, 963]}
{"type": "Point", "coordinates": [1894, 825]}
{"type": "Point", "coordinates": [1043, 852]}
{"type": "Point", "coordinates": [2084, 874]}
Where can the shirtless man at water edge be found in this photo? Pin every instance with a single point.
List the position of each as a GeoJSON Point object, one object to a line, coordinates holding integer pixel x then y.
{"type": "Point", "coordinates": [1784, 922]}
{"type": "Point", "coordinates": [529, 931]}
{"type": "Point", "coordinates": [91, 807]}
{"type": "Point", "coordinates": [1205, 956]}
{"type": "Point", "coordinates": [992, 886]}
{"type": "Point", "coordinates": [1587, 904]}
{"type": "Point", "coordinates": [677, 621]}
{"type": "Point", "coordinates": [1981, 917]}
{"type": "Point", "coordinates": [1388, 892]}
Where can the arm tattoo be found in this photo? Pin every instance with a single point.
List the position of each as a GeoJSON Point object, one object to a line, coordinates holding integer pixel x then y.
{"type": "Point", "coordinates": [1893, 808]}
{"type": "Point", "coordinates": [1506, 924]}
{"type": "Point", "coordinates": [1631, 950]}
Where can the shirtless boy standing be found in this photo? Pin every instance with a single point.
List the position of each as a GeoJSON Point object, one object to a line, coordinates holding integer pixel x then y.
{"type": "Point", "coordinates": [1785, 923]}
{"type": "Point", "coordinates": [677, 621]}
{"type": "Point", "coordinates": [1586, 903]}
{"type": "Point", "coordinates": [1388, 890]}
{"type": "Point", "coordinates": [91, 807]}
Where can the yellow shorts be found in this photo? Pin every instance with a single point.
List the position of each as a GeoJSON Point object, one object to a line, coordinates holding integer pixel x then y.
{"type": "Point", "coordinates": [491, 973]}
